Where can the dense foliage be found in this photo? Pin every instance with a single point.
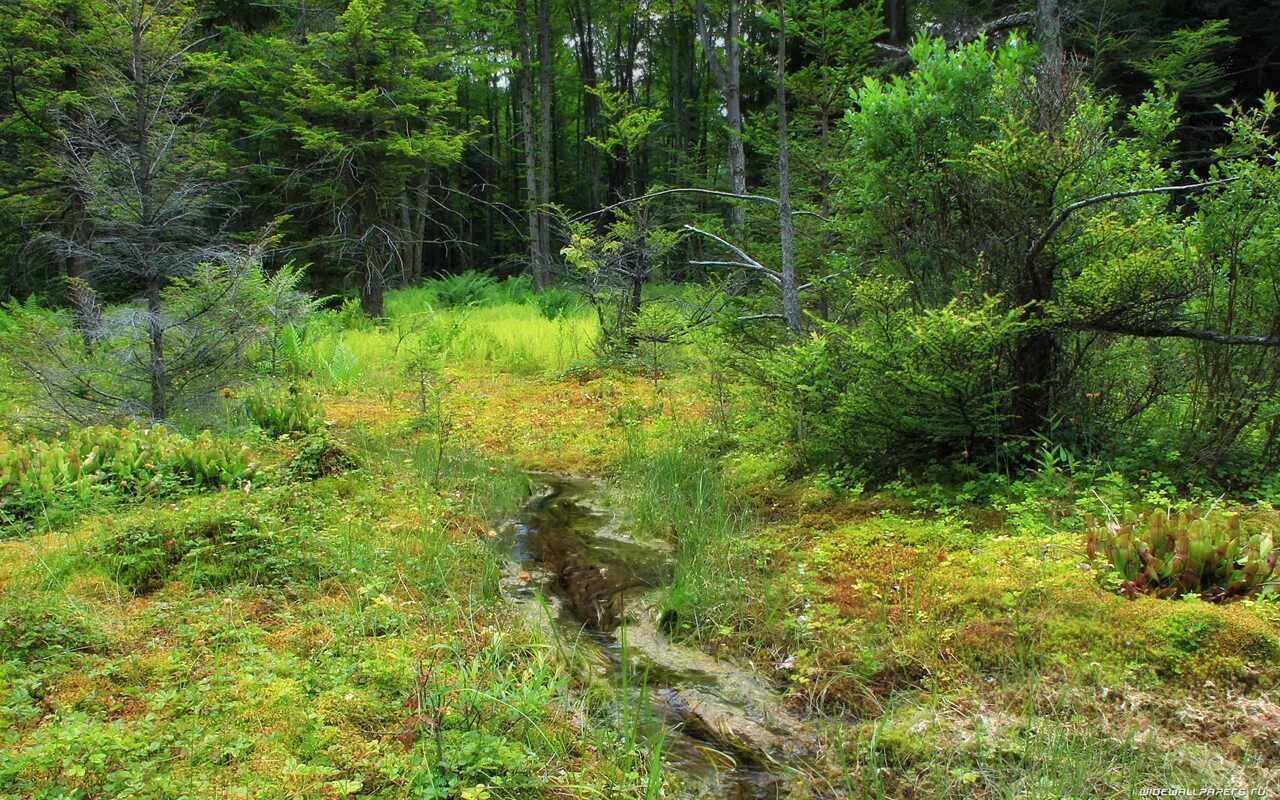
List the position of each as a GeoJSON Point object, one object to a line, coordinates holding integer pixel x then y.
{"type": "Point", "coordinates": [896, 349]}
{"type": "Point", "coordinates": [95, 463]}
{"type": "Point", "coordinates": [961, 226]}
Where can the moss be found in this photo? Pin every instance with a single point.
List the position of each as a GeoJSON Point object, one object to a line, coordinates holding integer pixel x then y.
{"type": "Point", "coordinates": [208, 551]}
{"type": "Point", "coordinates": [42, 628]}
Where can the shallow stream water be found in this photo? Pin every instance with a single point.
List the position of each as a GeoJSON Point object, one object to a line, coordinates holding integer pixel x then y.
{"type": "Point", "coordinates": [726, 729]}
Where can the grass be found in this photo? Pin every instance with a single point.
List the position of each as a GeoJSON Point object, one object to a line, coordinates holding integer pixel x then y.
{"type": "Point", "coordinates": [347, 635]}
{"type": "Point", "coordinates": [344, 636]}
{"type": "Point", "coordinates": [513, 338]}
{"type": "Point", "coordinates": [673, 489]}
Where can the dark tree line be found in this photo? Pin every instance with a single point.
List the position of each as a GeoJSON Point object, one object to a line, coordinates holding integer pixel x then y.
{"type": "Point", "coordinates": [393, 139]}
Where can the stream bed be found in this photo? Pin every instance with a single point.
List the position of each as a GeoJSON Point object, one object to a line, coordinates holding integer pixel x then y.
{"type": "Point", "coordinates": [728, 734]}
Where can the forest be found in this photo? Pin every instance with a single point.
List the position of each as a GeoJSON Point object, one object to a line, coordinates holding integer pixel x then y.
{"type": "Point", "coordinates": [724, 399]}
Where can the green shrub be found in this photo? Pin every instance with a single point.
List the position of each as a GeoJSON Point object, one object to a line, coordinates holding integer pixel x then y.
{"type": "Point", "coordinates": [896, 386]}
{"type": "Point", "coordinates": [211, 552]}
{"type": "Point", "coordinates": [99, 461]}
{"type": "Point", "coordinates": [1184, 554]}
{"type": "Point", "coordinates": [554, 303]}
{"type": "Point", "coordinates": [351, 316]}
{"type": "Point", "coordinates": [464, 289]}
{"type": "Point", "coordinates": [320, 456]}
{"type": "Point", "coordinates": [281, 412]}
{"type": "Point", "coordinates": [516, 289]}
{"type": "Point", "coordinates": [40, 629]}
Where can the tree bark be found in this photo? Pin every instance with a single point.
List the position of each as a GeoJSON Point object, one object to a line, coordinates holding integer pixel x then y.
{"type": "Point", "coordinates": [421, 213]}
{"type": "Point", "coordinates": [528, 137]}
{"type": "Point", "coordinates": [408, 244]}
{"type": "Point", "coordinates": [786, 228]}
{"type": "Point", "coordinates": [680, 126]}
{"type": "Point", "coordinates": [586, 50]}
{"type": "Point", "coordinates": [1052, 83]}
{"type": "Point", "coordinates": [729, 80]}
{"type": "Point", "coordinates": [546, 96]}
{"type": "Point", "coordinates": [156, 334]}
{"type": "Point", "coordinates": [1034, 355]}
{"type": "Point", "coordinates": [896, 20]}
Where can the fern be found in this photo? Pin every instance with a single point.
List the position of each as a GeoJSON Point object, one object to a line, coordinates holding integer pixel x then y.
{"type": "Point", "coordinates": [1184, 60]}
{"type": "Point", "coordinates": [468, 288]}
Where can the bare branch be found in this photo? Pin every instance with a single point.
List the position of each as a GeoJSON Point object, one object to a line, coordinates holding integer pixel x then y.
{"type": "Point", "coordinates": [710, 192]}
{"type": "Point", "coordinates": [748, 261]}
{"type": "Point", "coordinates": [1062, 216]}
{"type": "Point", "coordinates": [1153, 331]}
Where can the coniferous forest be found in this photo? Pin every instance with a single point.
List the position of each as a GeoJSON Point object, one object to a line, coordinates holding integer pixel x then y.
{"type": "Point", "coordinates": [655, 398]}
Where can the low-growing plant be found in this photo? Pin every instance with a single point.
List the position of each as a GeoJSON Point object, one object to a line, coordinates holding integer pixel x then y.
{"type": "Point", "coordinates": [40, 629]}
{"type": "Point", "coordinates": [281, 412]}
{"type": "Point", "coordinates": [210, 551]}
{"type": "Point", "coordinates": [98, 461]}
{"type": "Point", "coordinates": [1170, 556]}
{"type": "Point", "coordinates": [464, 289]}
{"type": "Point", "coordinates": [320, 456]}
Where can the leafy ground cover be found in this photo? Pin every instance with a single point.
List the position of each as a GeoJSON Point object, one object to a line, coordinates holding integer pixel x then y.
{"type": "Point", "coordinates": [335, 627]}
{"type": "Point", "coordinates": [324, 633]}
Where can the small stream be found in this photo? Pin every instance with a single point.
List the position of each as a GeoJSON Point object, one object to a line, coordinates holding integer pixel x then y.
{"type": "Point", "coordinates": [727, 729]}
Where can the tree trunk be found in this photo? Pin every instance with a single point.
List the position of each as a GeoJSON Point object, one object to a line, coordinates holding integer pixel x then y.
{"type": "Point", "coordinates": [528, 139]}
{"type": "Point", "coordinates": [156, 335]}
{"type": "Point", "coordinates": [420, 216]}
{"type": "Point", "coordinates": [407, 249]}
{"type": "Point", "coordinates": [896, 20]}
{"type": "Point", "coordinates": [680, 127]}
{"type": "Point", "coordinates": [590, 103]}
{"type": "Point", "coordinates": [546, 92]}
{"type": "Point", "coordinates": [1033, 357]}
{"type": "Point", "coordinates": [728, 79]}
{"type": "Point", "coordinates": [1052, 85]}
{"type": "Point", "coordinates": [372, 285]}
{"type": "Point", "coordinates": [786, 229]}
{"type": "Point", "coordinates": [733, 105]}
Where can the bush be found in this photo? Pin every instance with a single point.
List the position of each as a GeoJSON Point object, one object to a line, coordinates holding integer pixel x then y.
{"type": "Point", "coordinates": [320, 456]}
{"type": "Point", "coordinates": [516, 289]}
{"type": "Point", "coordinates": [898, 386]}
{"type": "Point", "coordinates": [211, 552]}
{"type": "Point", "coordinates": [1183, 554]}
{"type": "Point", "coordinates": [281, 412]}
{"type": "Point", "coordinates": [99, 461]}
{"type": "Point", "coordinates": [464, 289]}
{"type": "Point", "coordinates": [37, 630]}
{"type": "Point", "coordinates": [554, 303]}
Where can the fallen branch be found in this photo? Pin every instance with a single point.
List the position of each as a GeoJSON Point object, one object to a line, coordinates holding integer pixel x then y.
{"type": "Point", "coordinates": [1178, 332]}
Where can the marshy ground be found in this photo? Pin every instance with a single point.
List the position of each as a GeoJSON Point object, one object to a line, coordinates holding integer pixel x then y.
{"type": "Point", "coordinates": [345, 631]}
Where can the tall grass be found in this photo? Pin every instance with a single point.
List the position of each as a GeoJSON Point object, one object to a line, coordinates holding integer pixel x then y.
{"type": "Point", "coordinates": [502, 326]}
{"type": "Point", "coordinates": [676, 491]}
{"type": "Point", "coordinates": [518, 338]}
{"type": "Point", "coordinates": [506, 337]}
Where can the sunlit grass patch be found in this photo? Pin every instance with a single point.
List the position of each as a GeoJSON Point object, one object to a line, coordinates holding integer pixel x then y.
{"type": "Point", "coordinates": [511, 337]}
{"type": "Point", "coordinates": [518, 338]}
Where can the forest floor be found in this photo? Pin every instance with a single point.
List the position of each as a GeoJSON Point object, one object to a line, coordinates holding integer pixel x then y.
{"type": "Point", "coordinates": [348, 636]}
{"type": "Point", "coordinates": [949, 650]}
